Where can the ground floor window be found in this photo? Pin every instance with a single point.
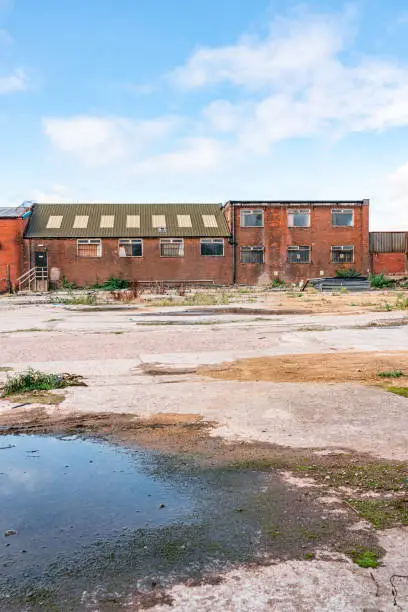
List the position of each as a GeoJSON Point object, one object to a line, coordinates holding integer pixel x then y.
{"type": "Point", "coordinates": [171, 247]}
{"type": "Point", "coordinates": [342, 254]}
{"type": "Point", "coordinates": [299, 254]}
{"type": "Point", "coordinates": [212, 247]}
{"type": "Point", "coordinates": [89, 247]}
{"type": "Point", "coordinates": [131, 247]}
{"type": "Point", "coordinates": [252, 254]}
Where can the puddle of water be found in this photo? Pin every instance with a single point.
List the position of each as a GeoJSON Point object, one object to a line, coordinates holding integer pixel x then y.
{"type": "Point", "coordinates": [97, 524]}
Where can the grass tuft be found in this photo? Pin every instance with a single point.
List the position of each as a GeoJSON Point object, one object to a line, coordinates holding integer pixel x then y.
{"type": "Point", "coordinates": [34, 380]}
{"type": "Point", "coordinates": [382, 513]}
{"type": "Point", "coordinates": [391, 374]}
{"type": "Point", "coordinates": [365, 558]}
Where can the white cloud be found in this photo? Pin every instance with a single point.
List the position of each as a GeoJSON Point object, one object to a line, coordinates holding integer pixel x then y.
{"type": "Point", "coordinates": [101, 140]}
{"type": "Point", "coordinates": [395, 214]}
{"type": "Point", "coordinates": [16, 81]}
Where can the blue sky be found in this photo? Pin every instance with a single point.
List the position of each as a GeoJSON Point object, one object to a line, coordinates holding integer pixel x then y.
{"type": "Point", "coordinates": [152, 100]}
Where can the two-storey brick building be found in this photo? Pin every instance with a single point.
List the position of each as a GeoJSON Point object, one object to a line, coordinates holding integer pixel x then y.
{"type": "Point", "coordinates": [297, 240]}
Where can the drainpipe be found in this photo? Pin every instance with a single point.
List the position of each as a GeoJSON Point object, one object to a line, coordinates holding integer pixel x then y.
{"type": "Point", "coordinates": [234, 247]}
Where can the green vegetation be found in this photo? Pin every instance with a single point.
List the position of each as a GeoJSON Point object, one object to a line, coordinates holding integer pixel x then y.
{"type": "Point", "coordinates": [391, 374]}
{"type": "Point", "coordinates": [365, 558]}
{"type": "Point", "coordinates": [368, 477]}
{"type": "Point", "coordinates": [89, 299]}
{"type": "Point", "coordinates": [382, 513]}
{"type": "Point", "coordinates": [34, 380]}
{"type": "Point", "coordinates": [277, 284]}
{"type": "Point", "coordinates": [347, 273]}
{"type": "Point", "coordinates": [309, 555]}
{"type": "Point", "coordinates": [112, 284]}
{"type": "Point", "coordinates": [5, 369]}
{"type": "Point", "coordinates": [403, 391]}
{"type": "Point", "coordinates": [380, 281]}
{"type": "Point", "coordinates": [197, 299]}
{"type": "Point", "coordinates": [68, 285]}
{"type": "Point", "coordinates": [401, 303]}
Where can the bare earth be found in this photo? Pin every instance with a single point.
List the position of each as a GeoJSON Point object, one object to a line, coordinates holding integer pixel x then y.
{"type": "Point", "coordinates": [291, 385]}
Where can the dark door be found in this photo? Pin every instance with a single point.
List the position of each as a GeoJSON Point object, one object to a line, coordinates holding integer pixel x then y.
{"type": "Point", "coordinates": [40, 259]}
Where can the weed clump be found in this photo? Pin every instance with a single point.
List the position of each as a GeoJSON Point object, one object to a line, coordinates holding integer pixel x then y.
{"type": "Point", "coordinates": [382, 513]}
{"type": "Point", "coordinates": [380, 281]}
{"type": "Point", "coordinates": [112, 284]}
{"type": "Point", "coordinates": [348, 273]}
{"type": "Point", "coordinates": [391, 374]}
{"type": "Point", "coordinates": [34, 380]}
{"type": "Point", "coordinates": [365, 558]}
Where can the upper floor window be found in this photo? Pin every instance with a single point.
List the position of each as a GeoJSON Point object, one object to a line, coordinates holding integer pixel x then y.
{"type": "Point", "coordinates": [252, 254]}
{"type": "Point", "coordinates": [342, 218]}
{"type": "Point", "coordinates": [89, 247]}
{"type": "Point", "coordinates": [171, 247]}
{"type": "Point", "coordinates": [342, 254]}
{"type": "Point", "coordinates": [299, 254]}
{"type": "Point", "coordinates": [298, 218]}
{"type": "Point", "coordinates": [131, 247]}
{"type": "Point", "coordinates": [252, 218]}
{"type": "Point", "coordinates": [212, 247]}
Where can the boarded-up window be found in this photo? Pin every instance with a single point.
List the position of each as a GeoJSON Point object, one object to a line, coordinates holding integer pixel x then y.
{"type": "Point", "coordinates": [54, 222]}
{"type": "Point", "coordinates": [252, 255]}
{"type": "Point", "coordinates": [209, 221]}
{"type": "Point", "coordinates": [91, 247]}
{"type": "Point", "coordinates": [298, 218]}
{"type": "Point", "coordinates": [130, 247]}
{"type": "Point", "coordinates": [342, 218]}
{"type": "Point", "coordinates": [171, 247]}
{"type": "Point", "coordinates": [133, 221]}
{"type": "Point", "coordinates": [212, 247]}
{"type": "Point", "coordinates": [342, 254]}
{"type": "Point", "coordinates": [184, 220]}
{"type": "Point", "coordinates": [81, 221]}
{"type": "Point", "coordinates": [159, 220]}
{"type": "Point", "coordinates": [107, 220]}
{"type": "Point", "coordinates": [299, 254]}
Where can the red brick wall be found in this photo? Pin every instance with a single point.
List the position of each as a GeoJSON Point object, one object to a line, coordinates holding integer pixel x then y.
{"type": "Point", "coordinates": [11, 250]}
{"type": "Point", "coordinates": [390, 263]}
{"type": "Point", "coordinates": [276, 236]}
{"type": "Point", "coordinates": [62, 255]}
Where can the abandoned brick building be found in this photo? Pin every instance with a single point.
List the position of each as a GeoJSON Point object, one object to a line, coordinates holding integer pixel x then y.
{"type": "Point", "coordinates": [241, 242]}
{"type": "Point", "coordinates": [12, 224]}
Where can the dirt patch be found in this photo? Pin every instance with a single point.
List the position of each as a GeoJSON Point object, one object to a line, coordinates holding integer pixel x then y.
{"type": "Point", "coordinates": [44, 398]}
{"type": "Point", "coordinates": [153, 369]}
{"type": "Point", "coordinates": [327, 368]}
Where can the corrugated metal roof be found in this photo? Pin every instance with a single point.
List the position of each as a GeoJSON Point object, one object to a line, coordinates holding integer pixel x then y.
{"type": "Point", "coordinates": [11, 213]}
{"type": "Point", "coordinates": [388, 242]}
{"type": "Point", "coordinates": [39, 225]}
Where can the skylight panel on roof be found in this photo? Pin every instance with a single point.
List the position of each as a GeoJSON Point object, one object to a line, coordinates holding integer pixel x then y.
{"type": "Point", "coordinates": [184, 220]}
{"type": "Point", "coordinates": [133, 221]}
{"type": "Point", "coordinates": [81, 221]}
{"type": "Point", "coordinates": [107, 221]}
{"type": "Point", "coordinates": [209, 221]}
{"type": "Point", "coordinates": [159, 221]}
{"type": "Point", "coordinates": [54, 221]}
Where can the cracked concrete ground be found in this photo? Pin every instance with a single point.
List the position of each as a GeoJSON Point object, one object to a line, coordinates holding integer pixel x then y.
{"type": "Point", "coordinates": [110, 348]}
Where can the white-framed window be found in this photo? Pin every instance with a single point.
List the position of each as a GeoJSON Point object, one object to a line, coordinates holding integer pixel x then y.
{"type": "Point", "coordinates": [342, 254]}
{"type": "Point", "coordinates": [298, 218]}
{"type": "Point", "coordinates": [252, 218]}
{"type": "Point", "coordinates": [171, 247]}
{"type": "Point", "coordinates": [252, 254]}
{"type": "Point", "coordinates": [130, 247]}
{"type": "Point", "coordinates": [212, 247]}
{"type": "Point", "coordinates": [299, 254]}
{"type": "Point", "coordinates": [89, 247]}
{"type": "Point", "coordinates": [342, 217]}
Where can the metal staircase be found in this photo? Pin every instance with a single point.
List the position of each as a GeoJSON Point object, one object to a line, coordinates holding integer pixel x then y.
{"type": "Point", "coordinates": [35, 279]}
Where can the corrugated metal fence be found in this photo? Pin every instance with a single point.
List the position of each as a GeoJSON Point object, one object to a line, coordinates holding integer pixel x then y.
{"type": "Point", "coordinates": [388, 242]}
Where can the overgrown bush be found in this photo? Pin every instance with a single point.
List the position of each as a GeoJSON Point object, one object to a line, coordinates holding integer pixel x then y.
{"type": "Point", "coordinates": [380, 281]}
{"type": "Point", "coordinates": [68, 285]}
{"type": "Point", "coordinates": [277, 283]}
{"type": "Point", "coordinates": [34, 380]}
{"type": "Point", "coordinates": [347, 273]}
{"type": "Point", "coordinates": [112, 284]}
